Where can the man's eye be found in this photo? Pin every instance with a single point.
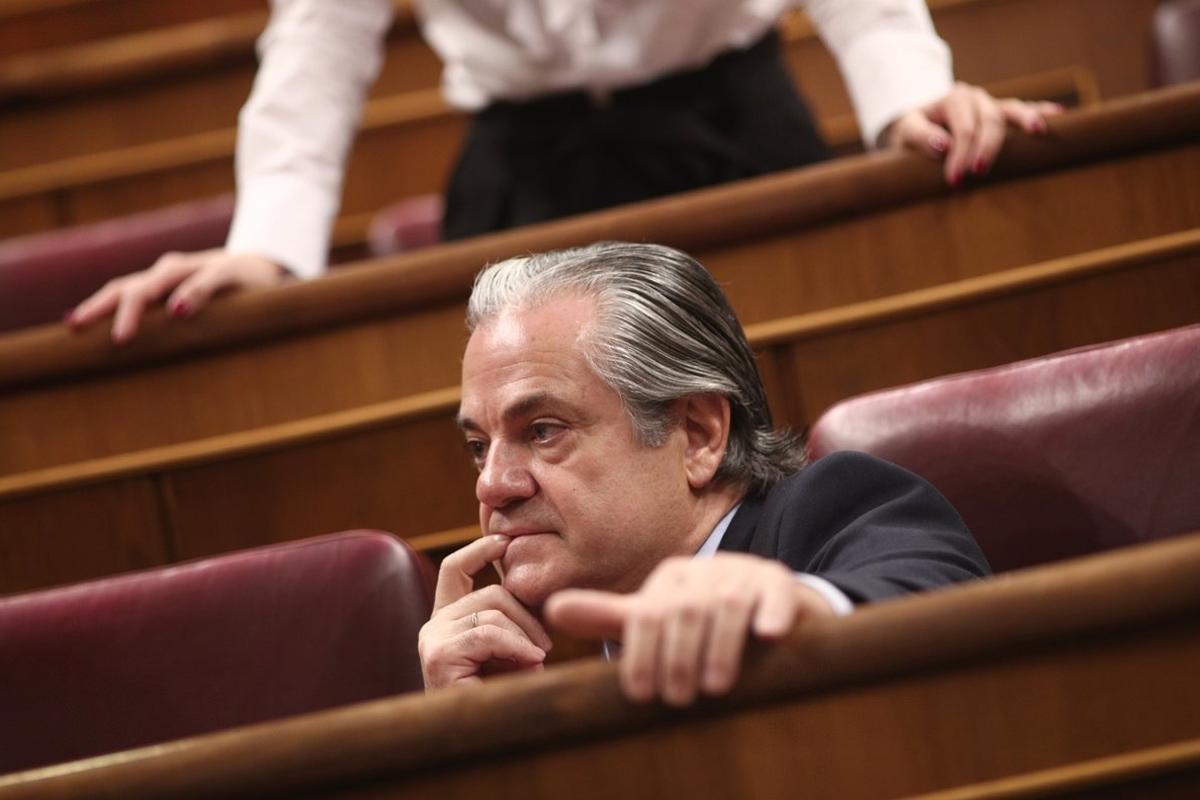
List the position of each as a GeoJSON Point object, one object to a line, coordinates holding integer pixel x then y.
{"type": "Point", "coordinates": [476, 449]}
{"type": "Point", "coordinates": [543, 431]}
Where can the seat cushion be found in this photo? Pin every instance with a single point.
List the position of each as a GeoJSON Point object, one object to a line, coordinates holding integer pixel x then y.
{"type": "Point", "coordinates": [1053, 457]}
{"type": "Point", "coordinates": [205, 645]}
{"type": "Point", "coordinates": [52, 272]}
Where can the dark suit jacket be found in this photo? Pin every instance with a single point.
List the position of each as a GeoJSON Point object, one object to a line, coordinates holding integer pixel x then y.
{"type": "Point", "coordinates": [867, 526]}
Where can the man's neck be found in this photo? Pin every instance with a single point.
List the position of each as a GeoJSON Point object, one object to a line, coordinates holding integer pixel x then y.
{"type": "Point", "coordinates": [713, 505]}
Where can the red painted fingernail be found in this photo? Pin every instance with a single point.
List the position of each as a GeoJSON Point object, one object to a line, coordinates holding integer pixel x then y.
{"type": "Point", "coordinates": [938, 143]}
{"type": "Point", "coordinates": [180, 308]}
{"type": "Point", "coordinates": [955, 178]}
{"type": "Point", "coordinates": [69, 317]}
{"type": "Point", "coordinates": [980, 166]}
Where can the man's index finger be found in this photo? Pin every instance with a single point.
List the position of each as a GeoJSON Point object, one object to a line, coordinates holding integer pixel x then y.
{"type": "Point", "coordinates": [456, 578]}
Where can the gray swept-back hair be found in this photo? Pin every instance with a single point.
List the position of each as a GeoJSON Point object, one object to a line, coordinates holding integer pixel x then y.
{"type": "Point", "coordinates": [664, 330]}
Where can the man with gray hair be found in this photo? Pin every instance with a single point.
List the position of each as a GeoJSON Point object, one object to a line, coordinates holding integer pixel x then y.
{"type": "Point", "coordinates": [632, 486]}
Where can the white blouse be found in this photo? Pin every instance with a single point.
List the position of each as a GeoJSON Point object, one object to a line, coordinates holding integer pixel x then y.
{"type": "Point", "coordinates": [319, 58]}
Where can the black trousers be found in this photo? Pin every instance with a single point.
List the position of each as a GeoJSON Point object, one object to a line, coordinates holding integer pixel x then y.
{"type": "Point", "coordinates": [738, 117]}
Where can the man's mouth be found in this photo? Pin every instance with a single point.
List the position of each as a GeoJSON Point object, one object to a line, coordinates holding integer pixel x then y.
{"type": "Point", "coordinates": [514, 533]}
{"type": "Point", "coordinates": [525, 541]}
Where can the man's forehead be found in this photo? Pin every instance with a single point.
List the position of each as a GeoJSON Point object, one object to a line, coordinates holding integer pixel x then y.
{"type": "Point", "coordinates": [507, 329]}
{"type": "Point", "coordinates": [549, 333]}
{"type": "Point", "coordinates": [526, 359]}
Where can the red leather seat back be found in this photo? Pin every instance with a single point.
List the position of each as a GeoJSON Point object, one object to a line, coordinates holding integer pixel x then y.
{"type": "Point", "coordinates": [410, 224]}
{"type": "Point", "coordinates": [250, 636]}
{"type": "Point", "coordinates": [1175, 42]}
{"type": "Point", "coordinates": [1049, 458]}
{"type": "Point", "coordinates": [44, 275]}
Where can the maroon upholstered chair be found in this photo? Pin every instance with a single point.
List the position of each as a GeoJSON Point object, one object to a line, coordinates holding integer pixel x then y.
{"type": "Point", "coordinates": [1068, 454]}
{"type": "Point", "coordinates": [1175, 42]}
{"type": "Point", "coordinates": [410, 224]}
{"type": "Point", "coordinates": [181, 650]}
{"type": "Point", "coordinates": [44, 275]}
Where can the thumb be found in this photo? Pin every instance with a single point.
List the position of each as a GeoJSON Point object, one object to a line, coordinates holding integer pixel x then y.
{"type": "Point", "coordinates": [915, 131]}
{"type": "Point", "coordinates": [587, 613]}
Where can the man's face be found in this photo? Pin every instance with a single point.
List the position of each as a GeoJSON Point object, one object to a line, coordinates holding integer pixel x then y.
{"type": "Point", "coordinates": [560, 468]}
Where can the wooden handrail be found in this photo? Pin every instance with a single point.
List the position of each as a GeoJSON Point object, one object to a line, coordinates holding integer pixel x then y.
{"type": "Point", "coordinates": [754, 208]}
{"type": "Point", "coordinates": [920, 301]}
{"type": "Point", "coordinates": [445, 401]}
{"type": "Point", "coordinates": [1028, 612]}
{"type": "Point", "coordinates": [131, 57]}
{"type": "Point", "coordinates": [146, 55]}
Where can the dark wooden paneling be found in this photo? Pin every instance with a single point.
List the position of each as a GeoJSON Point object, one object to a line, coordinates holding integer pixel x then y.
{"type": "Point", "coordinates": [407, 474]}
{"type": "Point", "coordinates": [409, 479]}
{"type": "Point", "coordinates": [930, 731]}
{"type": "Point", "coordinates": [181, 105]}
{"type": "Point", "coordinates": [30, 25]}
{"type": "Point", "coordinates": [241, 389]}
{"type": "Point", "coordinates": [1039, 35]}
{"type": "Point", "coordinates": [26, 215]}
{"type": "Point", "coordinates": [67, 536]}
{"type": "Point", "coordinates": [172, 100]}
{"type": "Point", "coordinates": [982, 230]}
{"type": "Point", "coordinates": [130, 194]}
{"type": "Point", "coordinates": [774, 259]}
{"type": "Point", "coordinates": [1025, 324]}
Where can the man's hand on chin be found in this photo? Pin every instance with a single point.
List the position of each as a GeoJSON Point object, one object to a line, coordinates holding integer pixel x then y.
{"type": "Point", "coordinates": [684, 631]}
{"type": "Point", "coordinates": [472, 632]}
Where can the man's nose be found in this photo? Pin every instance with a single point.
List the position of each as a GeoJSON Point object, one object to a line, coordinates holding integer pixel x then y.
{"type": "Point", "coordinates": [505, 477]}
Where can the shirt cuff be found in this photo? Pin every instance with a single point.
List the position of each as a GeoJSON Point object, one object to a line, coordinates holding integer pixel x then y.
{"type": "Point", "coordinates": [285, 219]}
{"type": "Point", "coordinates": [889, 73]}
{"type": "Point", "coordinates": [841, 605]}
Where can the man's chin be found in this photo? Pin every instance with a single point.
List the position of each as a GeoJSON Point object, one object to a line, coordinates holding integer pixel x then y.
{"type": "Point", "coordinates": [528, 585]}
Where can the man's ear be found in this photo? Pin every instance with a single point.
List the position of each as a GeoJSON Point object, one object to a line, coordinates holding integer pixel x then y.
{"type": "Point", "coordinates": [706, 423]}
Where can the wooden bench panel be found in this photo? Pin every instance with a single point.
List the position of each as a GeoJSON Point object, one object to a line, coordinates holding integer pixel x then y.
{"type": "Point", "coordinates": [399, 466]}
{"type": "Point", "coordinates": [193, 78]}
{"type": "Point", "coordinates": [992, 227]}
{"type": "Point", "coordinates": [79, 533]}
{"type": "Point", "coordinates": [878, 351]}
{"type": "Point", "coordinates": [25, 215]}
{"type": "Point", "coordinates": [31, 25]}
{"type": "Point", "coordinates": [238, 390]}
{"type": "Point", "coordinates": [1056, 679]}
{"type": "Point", "coordinates": [212, 405]}
{"type": "Point", "coordinates": [784, 245]}
{"type": "Point", "coordinates": [410, 478]}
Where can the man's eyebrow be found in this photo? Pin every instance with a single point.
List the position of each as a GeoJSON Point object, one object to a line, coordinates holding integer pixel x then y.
{"type": "Point", "coordinates": [515, 411]}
